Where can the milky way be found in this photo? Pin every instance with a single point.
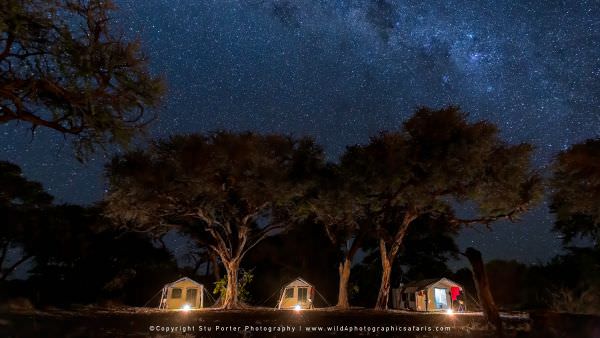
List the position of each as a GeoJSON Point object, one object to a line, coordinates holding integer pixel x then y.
{"type": "Point", "coordinates": [341, 71]}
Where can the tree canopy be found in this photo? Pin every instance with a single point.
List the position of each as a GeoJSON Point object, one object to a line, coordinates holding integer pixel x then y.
{"type": "Point", "coordinates": [338, 204]}
{"type": "Point", "coordinates": [576, 191]}
{"type": "Point", "coordinates": [234, 190]}
{"type": "Point", "coordinates": [438, 161]}
{"type": "Point", "coordinates": [69, 253]}
{"type": "Point", "coordinates": [21, 205]}
{"type": "Point", "coordinates": [62, 66]}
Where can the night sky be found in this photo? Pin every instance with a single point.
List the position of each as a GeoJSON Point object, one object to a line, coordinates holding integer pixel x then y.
{"type": "Point", "coordinates": [341, 71]}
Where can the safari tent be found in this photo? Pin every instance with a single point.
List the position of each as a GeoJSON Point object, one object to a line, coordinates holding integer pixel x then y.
{"type": "Point", "coordinates": [438, 294]}
{"type": "Point", "coordinates": [298, 294]}
{"type": "Point", "coordinates": [183, 294]}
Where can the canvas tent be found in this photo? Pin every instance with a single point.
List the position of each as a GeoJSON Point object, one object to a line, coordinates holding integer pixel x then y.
{"type": "Point", "coordinates": [298, 294]}
{"type": "Point", "coordinates": [437, 294]}
{"type": "Point", "coordinates": [182, 294]}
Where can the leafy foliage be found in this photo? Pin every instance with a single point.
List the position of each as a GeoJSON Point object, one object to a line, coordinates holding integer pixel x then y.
{"type": "Point", "coordinates": [63, 67]}
{"type": "Point", "coordinates": [567, 281]}
{"type": "Point", "coordinates": [437, 161]}
{"type": "Point", "coordinates": [338, 203]}
{"type": "Point", "coordinates": [427, 247]}
{"type": "Point", "coordinates": [70, 252]}
{"type": "Point", "coordinates": [79, 258]}
{"type": "Point", "coordinates": [228, 191]}
{"type": "Point", "coordinates": [17, 191]}
{"type": "Point", "coordinates": [243, 284]}
{"type": "Point", "coordinates": [576, 191]}
{"type": "Point", "coordinates": [22, 203]}
{"type": "Point", "coordinates": [438, 156]}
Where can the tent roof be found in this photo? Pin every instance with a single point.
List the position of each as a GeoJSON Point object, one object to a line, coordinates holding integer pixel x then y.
{"type": "Point", "coordinates": [298, 279]}
{"type": "Point", "coordinates": [181, 280]}
{"type": "Point", "coordinates": [424, 283]}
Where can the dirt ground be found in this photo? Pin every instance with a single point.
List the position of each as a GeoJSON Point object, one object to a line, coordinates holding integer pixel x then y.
{"type": "Point", "coordinates": [132, 322]}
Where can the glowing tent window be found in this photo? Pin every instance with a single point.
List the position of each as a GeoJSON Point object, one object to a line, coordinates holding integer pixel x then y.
{"type": "Point", "coordinates": [190, 295]}
{"type": "Point", "coordinates": [302, 294]}
{"type": "Point", "coordinates": [441, 298]}
{"type": "Point", "coordinates": [176, 293]}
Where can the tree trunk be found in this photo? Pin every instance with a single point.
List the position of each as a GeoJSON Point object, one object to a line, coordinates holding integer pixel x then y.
{"type": "Point", "coordinates": [231, 293]}
{"type": "Point", "coordinates": [484, 293]}
{"type": "Point", "coordinates": [386, 274]}
{"type": "Point", "coordinates": [344, 270]}
{"type": "Point", "coordinates": [387, 258]}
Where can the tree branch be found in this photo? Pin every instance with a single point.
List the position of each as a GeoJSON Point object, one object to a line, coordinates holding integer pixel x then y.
{"type": "Point", "coordinates": [264, 234]}
{"type": "Point", "coordinates": [6, 272]}
{"type": "Point", "coordinates": [489, 219]}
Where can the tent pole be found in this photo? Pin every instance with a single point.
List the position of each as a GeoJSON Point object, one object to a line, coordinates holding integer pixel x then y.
{"type": "Point", "coordinates": [161, 305]}
{"type": "Point", "coordinates": [281, 293]}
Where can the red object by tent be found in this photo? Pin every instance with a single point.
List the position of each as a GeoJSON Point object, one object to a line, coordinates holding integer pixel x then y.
{"type": "Point", "coordinates": [454, 292]}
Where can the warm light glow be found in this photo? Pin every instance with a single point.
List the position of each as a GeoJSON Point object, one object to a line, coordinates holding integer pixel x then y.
{"type": "Point", "coordinates": [186, 307]}
{"type": "Point", "coordinates": [449, 312]}
{"type": "Point", "coordinates": [297, 307]}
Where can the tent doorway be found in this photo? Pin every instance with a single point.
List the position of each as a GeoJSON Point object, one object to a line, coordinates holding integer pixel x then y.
{"type": "Point", "coordinates": [441, 298]}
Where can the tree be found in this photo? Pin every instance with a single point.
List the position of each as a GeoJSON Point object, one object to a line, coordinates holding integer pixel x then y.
{"type": "Point", "coordinates": [338, 206]}
{"type": "Point", "coordinates": [79, 258]}
{"type": "Point", "coordinates": [576, 192]}
{"type": "Point", "coordinates": [21, 202]}
{"type": "Point", "coordinates": [304, 251]}
{"type": "Point", "coordinates": [235, 189]}
{"type": "Point", "coordinates": [482, 285]}
{"type": "Point", "coordinates": [243, 284]}
{"type": "Point", "coordinates": [71, 253]}
{"type": "Point", "coordinates": [426, 248]}
{"type": "Point", "coordinates": [436, 162]}
{"type": "Point", "coordinates": [63, 67]}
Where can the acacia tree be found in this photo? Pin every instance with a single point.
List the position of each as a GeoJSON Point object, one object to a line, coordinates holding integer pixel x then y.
{"type": "Point", "coordinates": [63, 67]}
{"type": "Point", "coordinates": [437, 160]}
{"type": "Point", "coordinates": [236, 189]}
{"type": "Point", "coordinates": [576, 191]}
{"type": "Point", "coordinates": [21, 203]}
{"type": "Point", "coordinates": [339, 206]}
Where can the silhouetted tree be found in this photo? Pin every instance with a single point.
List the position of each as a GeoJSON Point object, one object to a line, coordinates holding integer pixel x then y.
{"type": "Point", "coordinates": [237, 189]}
{"type": "Point", "coordinates": [21, 204]}
{"type": "Point", "coordinates": [340, 206]}
{"type": "Point", "coordinates": [63, 67]}
{"type": "Point", "coordinates": [484, 292]}
{"type": "Point", "coordinates": [426, 248]}
{"type": "Point", "coordinates": [304, 251]}
{"type": "Point", "coordinates": [71, 252]}
{"type": "Point", "coordinates": [437, 159]}
{"type": "Point", "coordinates": [576, 192]}
{"type": "Point", "coordinates": [79, 257]}
{"type": "Point", "coordinates": [508, 282]}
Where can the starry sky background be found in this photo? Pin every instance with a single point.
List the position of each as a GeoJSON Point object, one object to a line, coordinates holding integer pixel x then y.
{"type": "Point", "coordinates": [341, 71]}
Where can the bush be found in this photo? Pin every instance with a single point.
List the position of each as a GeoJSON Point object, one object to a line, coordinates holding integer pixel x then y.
{"type": "Point", "coordinates": [586, 301]}
{"type": "Point", "coordinates": [243, 293]}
